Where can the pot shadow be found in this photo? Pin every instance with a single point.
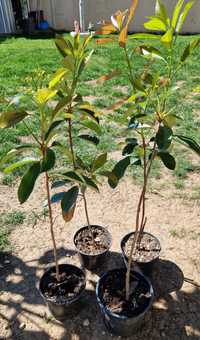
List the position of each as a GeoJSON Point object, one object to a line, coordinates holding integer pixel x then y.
{"type": "Point", "coordinates": [112, 260]}
{"type": "Point", "coordinates": [166, 277]}
{"type": "Point", "coordinates": [48, 257]}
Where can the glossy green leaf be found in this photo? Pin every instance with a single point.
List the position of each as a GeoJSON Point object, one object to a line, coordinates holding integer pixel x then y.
{"type": "Point", "coordinates": [68, 63]}
{"type": "Point", "coordinates": [170, 120]}
{"type": "Point", "coordinates": [64, 46]}
{"type": "Point", "coordinates": [164, 137]}
{"type": "Point", "coordinates": [189, 49]}
{"type": "Point", "coordinates": [191, 143]}
{"type": "Point", "coordinates": [89, 124]}
{"type": "Point", "coordinates": [23, 162]}
{"type": "Point", "coordinates": [53, 126]}
{"type": "Point", "coordinates": [120, 168]}
{"type": "Point", "coordinates": [183, 15]}
{"type": "Point", "coordinates": [15, 152]}
{"type": "Point", "coordinates": [99, 162]}
{"type": "Point", "coordinates": [167, 38]}
{"type": "Point", "coordinates": [92, 139]}
{"type": "Point", "coordinates": [57, 197]}
{"type": "Point", "coordinates": [73, 176]}
{"type": "Point", "coordinates": [155, 24]}
{"type": "Point", "coordinates": [60, 105]}
{"type": "Point", "coordinates": [167, 159]}
{"type": "Point", "coordinates": [28, 182]}
{"type": "Point", "coordinates": [90, 183]}
{"type": "Point", "coordinates": [49, 160]}
{"type": "Point", "coordinates": [69, 199]}
{"type": "Point", "coordinates": [143, 36]}
{"type": "Point", "coordinates": [176, 12]}
{"type": "Point", "coordinates": [58, 184]}
{"type": "Point", "coordinates": [161, 11]}
{"type": "Point", "coordinates": [60, 73]}
{"type": "Point", "coordinates": [151, 52]}
{"type": "Point", "coordinates": [11, 118]}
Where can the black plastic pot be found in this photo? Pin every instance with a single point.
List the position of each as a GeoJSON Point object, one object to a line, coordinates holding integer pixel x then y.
{"type": "Point", "coordinates": [68, 307]}
{"type": "Point", "coordinates": [119, 324]}
{"type": "Point", "coordinates": [93, 261]}
{"type": "Point", "coordinates": [146, 267]}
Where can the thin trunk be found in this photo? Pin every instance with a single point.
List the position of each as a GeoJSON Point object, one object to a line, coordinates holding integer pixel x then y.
{"type": "Point", "coordinates": [71, 143]}
{"type": "Point", "coordinates": [51, 227]}
{"type": "Point", "coordinates": [87, 216]}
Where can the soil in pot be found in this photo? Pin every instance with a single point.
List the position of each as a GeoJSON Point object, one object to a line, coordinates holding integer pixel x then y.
{"type": "Point", "coordinates": [120, 316]}
{"type": "Point", "coordinates": [69, 286]}
{"type": "Point", "coordinates": [148, 251]}
{"type": "Point", "coordinates": [98, 244]}
{"type": "Point", "coordinates": [64, 297]}
{"type": "Point", "coordinates": [92, 248]}
{"type": "Point", "coordinates": [114, 295]}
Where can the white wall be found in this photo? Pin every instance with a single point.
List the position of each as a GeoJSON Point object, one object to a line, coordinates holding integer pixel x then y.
{"type": "Point", "coordinates": [66, 11]}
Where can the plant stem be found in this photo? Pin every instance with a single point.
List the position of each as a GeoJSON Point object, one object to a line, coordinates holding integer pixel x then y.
{"type": "Point", "coordinates": [129, 68]}
{"type": "Point", "coordinates": [32, 133]}
{"type": "Point", "coordinates": [87, 216]}
{"type": "Point", "coordinates": [71, 143]}
{"type": "Point", "coordinates": [51, 226]}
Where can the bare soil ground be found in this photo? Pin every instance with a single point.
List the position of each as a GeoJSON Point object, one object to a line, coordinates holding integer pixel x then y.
{"type": "Point", "coordinates": [173, 219]}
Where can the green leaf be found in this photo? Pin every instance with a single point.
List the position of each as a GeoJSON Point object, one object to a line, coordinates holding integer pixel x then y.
{"type": "Point", "coordinates": [60, 105]}
{"type": "Point", "coordinates": [161, 11]}
{"type": "Point", "coordinates": [170, 120]}
{"type": "Point", "coordinates": [69, 199]}
{"type": "Point", "coordinates": [90, 110]}
{"type": "Point", "coordinates": [11, 118]}
{"type": "Point", "coordinates": [44, 95]}
{"type": "Point", "coordinates": [90, 183]}
{"type": "Point", "coordinates": [19, 164]}
{"type": "Point", "coordinates": [57, 197]}
{"type": "Point", "coordinates": [53, 126]}
{"type": "Point", "coordinates": [14, 152]}
{"type": "Point", "coordinates": [155, 24]}
{"type": "Point", "coordinates": [151, 52]}
{"type": "Point", "coordinates": [167, 38]}
{"type": "Point", "coordinates": [99, 162]}
{"type": "Point", "coordinates": [49, 161]}
{"type": "Point", "coordinates": [120, 167]}
{"type": "Point", "coordinates": [73, 176]}
{"type": "Point", "coordinates": [64, 46]}
{"type": "Point", "coordinates": [68, 62]}
{"type": "Point", "coordinates": [176, 13]}
{"type": "Point", "coordinates": [92, 139]}
{"type": "Point", "coordinates": [89, 124]}
{"type": "Point", "coordinates": [167, 159]}
{"type": "Point", "coordinates": [60, 73]}
{"type": "Point", "coordinates": [193, 145]}
{"type": "Point", "coordinates": [183, 15]}
{"type": "Point", "coordinates": [164, 137]}
{"type": "Point", "coordinates": [143, 36]}
{"type": "Point", "coordinates": [28, 182]}
{"type": "Point", "coordinates": [189, 49]}
{"type": "Point", "coordinates": [58, 184]}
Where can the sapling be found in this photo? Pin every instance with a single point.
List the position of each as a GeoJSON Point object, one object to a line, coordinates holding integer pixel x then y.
{"type": "Point", "coordinates": [78, 114]}
{"type": "Point", "coordinates": [150, 117]}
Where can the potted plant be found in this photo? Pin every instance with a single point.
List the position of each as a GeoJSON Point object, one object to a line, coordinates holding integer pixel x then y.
{"type": "Point", "coordinates": [125, 296]}
{"type": "Point", "coordinates": [62, 285]}
{"type": "Point", "coordinates": [92, 242]}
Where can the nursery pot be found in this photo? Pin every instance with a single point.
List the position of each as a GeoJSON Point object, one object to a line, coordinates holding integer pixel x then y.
{"type": "Point", "coordinates": [124, 324]}
{"type": "Point", "coordinates": [145, 266]}
{"type": "Point", "coordinates": [89, 259]}
{"type": "Point", "coordinates": [63, 307]}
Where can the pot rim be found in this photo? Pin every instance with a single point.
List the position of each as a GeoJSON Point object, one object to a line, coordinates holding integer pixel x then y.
{"type": "Point", "coordinates": [123, 317]}
{"type": "Point", "coordinates": [86, 227]}
{"type": "Point", "coordinates": [67, 301]}
{"type": "Point", "coordinates": [127, 236]}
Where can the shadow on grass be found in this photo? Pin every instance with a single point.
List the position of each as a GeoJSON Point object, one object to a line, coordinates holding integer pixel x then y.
{"type": "Point", "coordinates": [175, 314]}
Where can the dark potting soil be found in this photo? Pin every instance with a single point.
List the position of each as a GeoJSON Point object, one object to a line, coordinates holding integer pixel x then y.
{"type": "Point", "coordinates": [114, 295]}
{"type": "Point", "coordinates": [69, 286]}
{"type": "Point", "coordinates": [92, 245]}
{"type": "Point", "coordinates": [148, 250]}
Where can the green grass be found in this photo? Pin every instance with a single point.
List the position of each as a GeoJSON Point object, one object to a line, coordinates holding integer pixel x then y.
{"type": "Point", "coordinates": [7, 222]}
{"type": "Point", "coordinates": [23, 58]}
